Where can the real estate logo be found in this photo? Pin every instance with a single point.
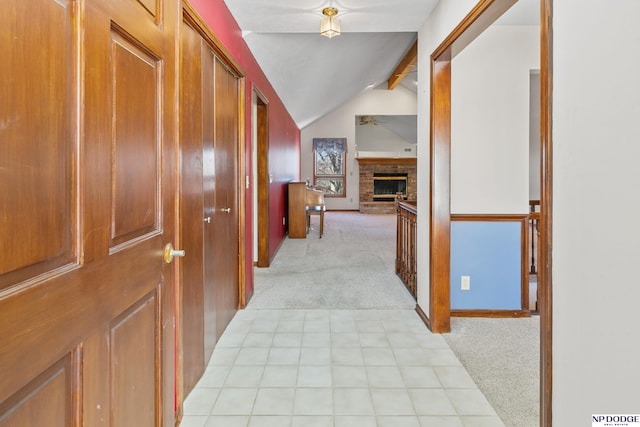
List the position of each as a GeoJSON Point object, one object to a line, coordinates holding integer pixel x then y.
{"type": "Point", "coordinates": [615, 420]}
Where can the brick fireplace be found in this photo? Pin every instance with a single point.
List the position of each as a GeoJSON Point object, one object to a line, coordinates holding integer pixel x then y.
{"type": "Point", "coordinates": [372, 168]}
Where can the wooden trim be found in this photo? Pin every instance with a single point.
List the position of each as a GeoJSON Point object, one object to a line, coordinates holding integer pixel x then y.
{"type": "Point", "coordinates": [476, 21]}
{"type": "Point", "coordinates": [262, 181]}
{"type": "Point", "coordinates": [524, 263]}
{"type": "Point", "coordinates": [387, 160]}
{"type": "Point", "coordinates": [523, 219]}
{"type": "Point", "coordinates": [193, 18]}
{"type": "Point", "coordinates": [440, 209]}
{"type": "Point", "coordinates": [490, 217]}
{"type": "Point", "coordinates": [545, 226]}
{"type": "Point", "coordinates": [491, 313]}
{"type": "Point", "coordinates": [259, 93]}
{"type": "Point", "coordinates": [404, 66]}
{"type": "Point", "coordinates": [409, 206]}
{"type": "Point", "coordinates": [423, 316]}
{"type": "Point", "coordinates": [241, 195]}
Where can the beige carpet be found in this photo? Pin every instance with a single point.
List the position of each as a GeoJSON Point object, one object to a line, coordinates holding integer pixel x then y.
{"type": "Point", "coordinates": [351, 267]}
{"type": "Point", "coordinates": [503, 358]}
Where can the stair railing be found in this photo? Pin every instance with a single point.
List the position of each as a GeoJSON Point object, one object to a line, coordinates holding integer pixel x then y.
{"type": "Point", "coordinates": [406, 239]}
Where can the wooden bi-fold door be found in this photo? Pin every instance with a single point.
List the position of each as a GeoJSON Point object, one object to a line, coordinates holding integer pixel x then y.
{"type": "Point", "coordinates": [210, 207]}
{"type": "Point", "coordinates": [87, 204]}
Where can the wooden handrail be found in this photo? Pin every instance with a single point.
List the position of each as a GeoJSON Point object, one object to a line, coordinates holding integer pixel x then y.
{"type": "Point", "coordinates": [533, 204]}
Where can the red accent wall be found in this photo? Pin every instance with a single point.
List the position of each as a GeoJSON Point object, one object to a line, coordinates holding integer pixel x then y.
{"type": "Point", "coordinates": [284, 135]}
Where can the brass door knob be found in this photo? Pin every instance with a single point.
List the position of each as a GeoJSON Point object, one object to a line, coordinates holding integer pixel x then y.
{"type": "Point", "coordinates": [169, 253]}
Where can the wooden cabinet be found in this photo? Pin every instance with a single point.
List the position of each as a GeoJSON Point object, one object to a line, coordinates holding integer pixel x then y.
{"type": "Point", "coordinates": [297, 210]}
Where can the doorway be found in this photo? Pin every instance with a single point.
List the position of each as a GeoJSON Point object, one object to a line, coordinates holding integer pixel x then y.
{"type": "Point", "coordinates": [261, 177]}
{"type": "Point", "coordinates": [439, 293]}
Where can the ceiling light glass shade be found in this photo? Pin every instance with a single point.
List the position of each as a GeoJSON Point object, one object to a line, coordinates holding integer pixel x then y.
{"type": "Point", "coordinates": [330, 25]}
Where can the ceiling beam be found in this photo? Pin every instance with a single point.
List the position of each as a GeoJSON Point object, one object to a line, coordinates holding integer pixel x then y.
{"type": "Point", "coordinates": [403, 68]}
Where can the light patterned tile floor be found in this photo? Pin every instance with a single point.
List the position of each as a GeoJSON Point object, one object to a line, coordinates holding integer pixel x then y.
{"type": "Point", "coordinates": [334, 368]}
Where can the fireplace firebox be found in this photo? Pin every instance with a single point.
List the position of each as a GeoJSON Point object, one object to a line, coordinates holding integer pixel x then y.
{"type": "Point", "coordinates": [387, 185]}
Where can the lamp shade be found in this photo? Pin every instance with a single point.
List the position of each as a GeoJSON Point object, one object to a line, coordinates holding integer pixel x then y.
{"type": "Point", "coordinates": [330, 25]}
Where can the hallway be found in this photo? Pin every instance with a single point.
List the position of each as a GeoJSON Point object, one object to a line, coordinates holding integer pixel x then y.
{"type": "Point", "coordinates": [334, 368]}
{"type": "Point", "coordinates": [330, 338]}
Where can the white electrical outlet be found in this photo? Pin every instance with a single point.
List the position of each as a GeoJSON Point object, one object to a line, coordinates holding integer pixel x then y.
{"type": "Point", "coordinates": [465, 283]}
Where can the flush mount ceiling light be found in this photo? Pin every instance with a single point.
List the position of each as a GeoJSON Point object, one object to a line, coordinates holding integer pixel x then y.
{"type": "Point", "coordinates": [330, 25]}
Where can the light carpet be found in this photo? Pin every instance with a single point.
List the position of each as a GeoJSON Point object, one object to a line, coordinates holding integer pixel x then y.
{"type": "Point", "coordinates": [502, 356]}
{"type": "Point", "coordinates": [351, 267]}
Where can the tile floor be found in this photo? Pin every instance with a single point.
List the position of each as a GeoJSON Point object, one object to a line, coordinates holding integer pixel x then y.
{"type": "Point", "coordinates": [308, 368]}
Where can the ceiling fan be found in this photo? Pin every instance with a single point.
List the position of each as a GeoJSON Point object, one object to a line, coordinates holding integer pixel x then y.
{"type": "Point", "coordinates": [369, 120]}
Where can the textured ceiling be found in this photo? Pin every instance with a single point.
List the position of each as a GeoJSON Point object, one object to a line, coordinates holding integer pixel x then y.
{"type": "Point", "coordinates": [314, 75]}
{"type": "Point", "coordinates": [303, 16]}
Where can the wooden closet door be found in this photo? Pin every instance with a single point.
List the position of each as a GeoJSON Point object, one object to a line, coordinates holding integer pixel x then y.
{"type": "Point", "coordinates": [209, 218]}
{"type": "Point", "coordinates": [226, 144]}
{"type": "Point", "coordinates": [220, 121]}
{"type": "Point", "coordinates": [193, 217]}
{"type": "Point", "coordinates": [87, 204]}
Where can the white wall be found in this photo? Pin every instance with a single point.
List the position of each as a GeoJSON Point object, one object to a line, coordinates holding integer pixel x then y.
{"type": "Point", "coordinates": [490, 121]}
{"type": "Point", "coordinates": [372, 138]}
{"type": "Point", "coordinates": [443, 19]}
{"type": "Point", "coordinates": [534, 135]}
{"type": "Point", "coordinates": [341, 124]}
{"type": "Point", "coordinates": [596, 147]}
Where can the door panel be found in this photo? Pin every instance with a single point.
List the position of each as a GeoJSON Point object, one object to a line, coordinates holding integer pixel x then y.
{"type": "Point", "coordinates": [151, 6]}
{"type": "Point", "coordinates": [86, 302]}
{"type": "Point", "coordinates": [134, 348]}
{"type": "Point", "coordinates": [135, 146]}
{"type": "Point", "coordinates": [45, 398]}
{"type": "Point", "coordinates": [39, 240]}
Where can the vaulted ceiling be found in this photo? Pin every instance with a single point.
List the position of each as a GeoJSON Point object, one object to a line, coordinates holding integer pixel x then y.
{"type": "Point", "coordinates": [314, 75]}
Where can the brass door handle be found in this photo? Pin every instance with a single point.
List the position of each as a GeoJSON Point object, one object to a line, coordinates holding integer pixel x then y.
{"type": "Point", "coordinates": [208, 220]}
{"type": "Point", "coordinates": [169, 253]}
{"type": "Point", "coordinates": [226, 210]}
